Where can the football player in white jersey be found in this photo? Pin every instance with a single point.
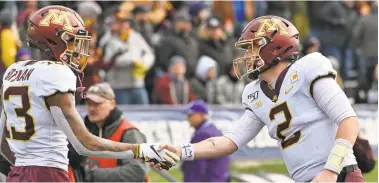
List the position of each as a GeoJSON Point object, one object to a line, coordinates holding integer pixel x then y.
{"type": "Point", "coordinates": [39, 113]}
{"type": "Point", "coordinates": [297, 99]}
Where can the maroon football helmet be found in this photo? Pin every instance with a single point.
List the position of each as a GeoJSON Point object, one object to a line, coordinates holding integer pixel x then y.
{"type": "Point", "coordinates": [60, 32]}
{"type": "Point", "coordinates": [277, 39]}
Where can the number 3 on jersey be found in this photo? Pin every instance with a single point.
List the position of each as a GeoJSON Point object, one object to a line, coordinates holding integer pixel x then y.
{"type": "Point", "coordinates": [21, 112]}
{"type": "Point", "coordinates": [285, 142]}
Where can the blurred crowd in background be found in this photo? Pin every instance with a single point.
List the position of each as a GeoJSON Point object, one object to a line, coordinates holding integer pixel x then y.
{"type": "Point", "coordinates": [173, 52]}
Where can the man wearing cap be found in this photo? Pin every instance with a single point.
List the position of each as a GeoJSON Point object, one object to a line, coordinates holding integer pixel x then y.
{"type": "Point", "coordinates": [215, 43]}
{"type": "Point", "coordinates": [212, 170]}
{"type": "Point", "coordinates": [106, 120]}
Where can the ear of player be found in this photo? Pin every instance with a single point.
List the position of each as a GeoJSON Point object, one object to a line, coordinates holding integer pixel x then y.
{"type": "Point", "coordinates": [150, 153]}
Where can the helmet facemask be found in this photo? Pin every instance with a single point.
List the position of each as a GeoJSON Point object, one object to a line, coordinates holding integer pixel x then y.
{"type": "Point", "coordinates": [76, 54]}
{"type": "Point", "coordinates": [249, 64]}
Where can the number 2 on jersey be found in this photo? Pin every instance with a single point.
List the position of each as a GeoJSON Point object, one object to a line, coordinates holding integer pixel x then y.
{"type": "Point", "coordinates": [285, 142]}
{"type": "Point", "coordinates": [21, 112]}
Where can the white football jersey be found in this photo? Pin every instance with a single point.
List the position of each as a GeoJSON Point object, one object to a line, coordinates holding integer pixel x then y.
{"type": "Point", "coordinates": [31, 131]}
{"type": "Point", "coordinates": [304, 132]}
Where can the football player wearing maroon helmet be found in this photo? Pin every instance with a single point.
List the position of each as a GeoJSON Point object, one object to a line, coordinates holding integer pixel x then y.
{"type": "Point", "coordinates": [297, 99]}
{"type": "Point", "coordinates": [39, 113]}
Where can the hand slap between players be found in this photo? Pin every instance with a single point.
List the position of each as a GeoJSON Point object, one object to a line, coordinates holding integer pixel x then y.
{"type": "Point", "coordinates": [162, 158]}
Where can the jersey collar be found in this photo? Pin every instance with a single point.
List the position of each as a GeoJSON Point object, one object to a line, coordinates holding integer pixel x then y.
{"type": "Point", "coordinates": [273, 94]}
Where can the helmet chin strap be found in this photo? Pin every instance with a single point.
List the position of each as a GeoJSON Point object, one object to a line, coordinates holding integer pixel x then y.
{"type": "Point", "coordinates": [254, 75]}
{"type": "Point", "coordinates": [81, 88]}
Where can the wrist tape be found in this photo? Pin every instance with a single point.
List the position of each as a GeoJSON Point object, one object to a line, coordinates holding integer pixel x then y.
{"type": "Point", "coordinates": [337, 155]}
{"type": "Point", "coordinates": [188, 152]}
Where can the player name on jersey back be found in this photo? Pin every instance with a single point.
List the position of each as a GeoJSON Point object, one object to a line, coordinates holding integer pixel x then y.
{"type": "Point", "coordinates": [19, 75]}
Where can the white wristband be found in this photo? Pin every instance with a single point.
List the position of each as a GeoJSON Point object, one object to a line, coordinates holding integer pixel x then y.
{"type": "Point", "coordinates": [188, 152]}
{"type": "Point", "coordinates": [337, 155]}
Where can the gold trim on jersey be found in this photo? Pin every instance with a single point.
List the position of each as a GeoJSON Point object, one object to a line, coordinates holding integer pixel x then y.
{"type": "Point", "coordinates": [330, 74]}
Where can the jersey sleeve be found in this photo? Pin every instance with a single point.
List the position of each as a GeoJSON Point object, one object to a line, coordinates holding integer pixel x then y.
{"type": "Point", "coordinates": [318, 66]}
{"type": "Point", "coordinates": [56, 78]}
{"type": "Point", "coordinates": [332, 100]}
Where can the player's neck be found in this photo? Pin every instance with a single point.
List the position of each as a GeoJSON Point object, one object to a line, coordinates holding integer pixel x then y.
{"type": "Point", "coordinates": [273, 73]}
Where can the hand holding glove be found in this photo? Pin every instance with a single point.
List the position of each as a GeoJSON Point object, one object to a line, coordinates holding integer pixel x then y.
{"type": "Point", "coordinates": [151, 154]}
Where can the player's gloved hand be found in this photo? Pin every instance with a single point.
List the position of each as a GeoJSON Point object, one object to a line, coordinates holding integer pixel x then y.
{"type": "Point", "coordinates": [150, 153]}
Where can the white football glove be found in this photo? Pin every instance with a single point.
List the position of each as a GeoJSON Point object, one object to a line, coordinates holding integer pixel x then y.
{"type": "Point", "coordinates": [150, 153]}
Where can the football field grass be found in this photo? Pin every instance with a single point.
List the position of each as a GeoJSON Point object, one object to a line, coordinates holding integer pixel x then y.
{"type": "Point", "coordinates": [273, 167]}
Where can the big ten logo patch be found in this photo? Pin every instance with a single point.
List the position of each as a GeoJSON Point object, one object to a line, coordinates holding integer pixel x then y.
{"type": "Point", "coordinates": [257, 104]}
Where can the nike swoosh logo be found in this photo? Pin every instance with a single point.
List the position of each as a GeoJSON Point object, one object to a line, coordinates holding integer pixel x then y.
{"type": "Point", "coordinates": [152, 148]}
{"type": "Point", "coordinates": [286, 91]}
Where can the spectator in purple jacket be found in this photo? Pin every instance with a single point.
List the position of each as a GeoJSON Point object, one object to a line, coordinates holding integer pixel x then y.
{"type": "Point", "coordinates": [211, 170]}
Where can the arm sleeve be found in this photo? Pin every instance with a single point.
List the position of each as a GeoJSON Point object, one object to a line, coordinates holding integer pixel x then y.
{"type": "Point", "coordinates": [245, 129]}
{"type": "Point", "coordinates": [325, 90]}
{"type": "Point", "coordinates": [247, 126]}
{"type": "Point", "coordinates": [63, 125]}
{"type": "Point", "coordinates": [128, 170]}
{"type": "Point", "coordinates": [332, 100]}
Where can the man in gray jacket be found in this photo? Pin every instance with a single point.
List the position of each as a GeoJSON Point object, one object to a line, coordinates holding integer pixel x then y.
{"type": "Point", "coordinates": [129, 69]}
{"type": "Point", "coordinates": [106, 120]}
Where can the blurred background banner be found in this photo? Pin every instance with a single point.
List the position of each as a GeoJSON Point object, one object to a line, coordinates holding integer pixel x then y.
{"type": "Point", "coordinates": [167, 124]}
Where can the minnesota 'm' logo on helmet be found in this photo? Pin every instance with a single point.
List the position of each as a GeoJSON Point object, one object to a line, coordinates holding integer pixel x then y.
{"type": "Point", "coordinates": [60, 33]}
{"type": "Point", "coordinates": [57, 17]}
{"type": "Point", "coordinates": [270, 25]}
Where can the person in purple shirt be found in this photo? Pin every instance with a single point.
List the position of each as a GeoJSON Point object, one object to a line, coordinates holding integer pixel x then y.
{"type": "Point", "coordinates": [211, 170]}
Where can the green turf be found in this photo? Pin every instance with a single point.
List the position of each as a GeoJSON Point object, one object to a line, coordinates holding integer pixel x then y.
{"type": "Point", "coordinates": [274, 167]}
{"type": "Point", "coordinates": [373, 175]}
